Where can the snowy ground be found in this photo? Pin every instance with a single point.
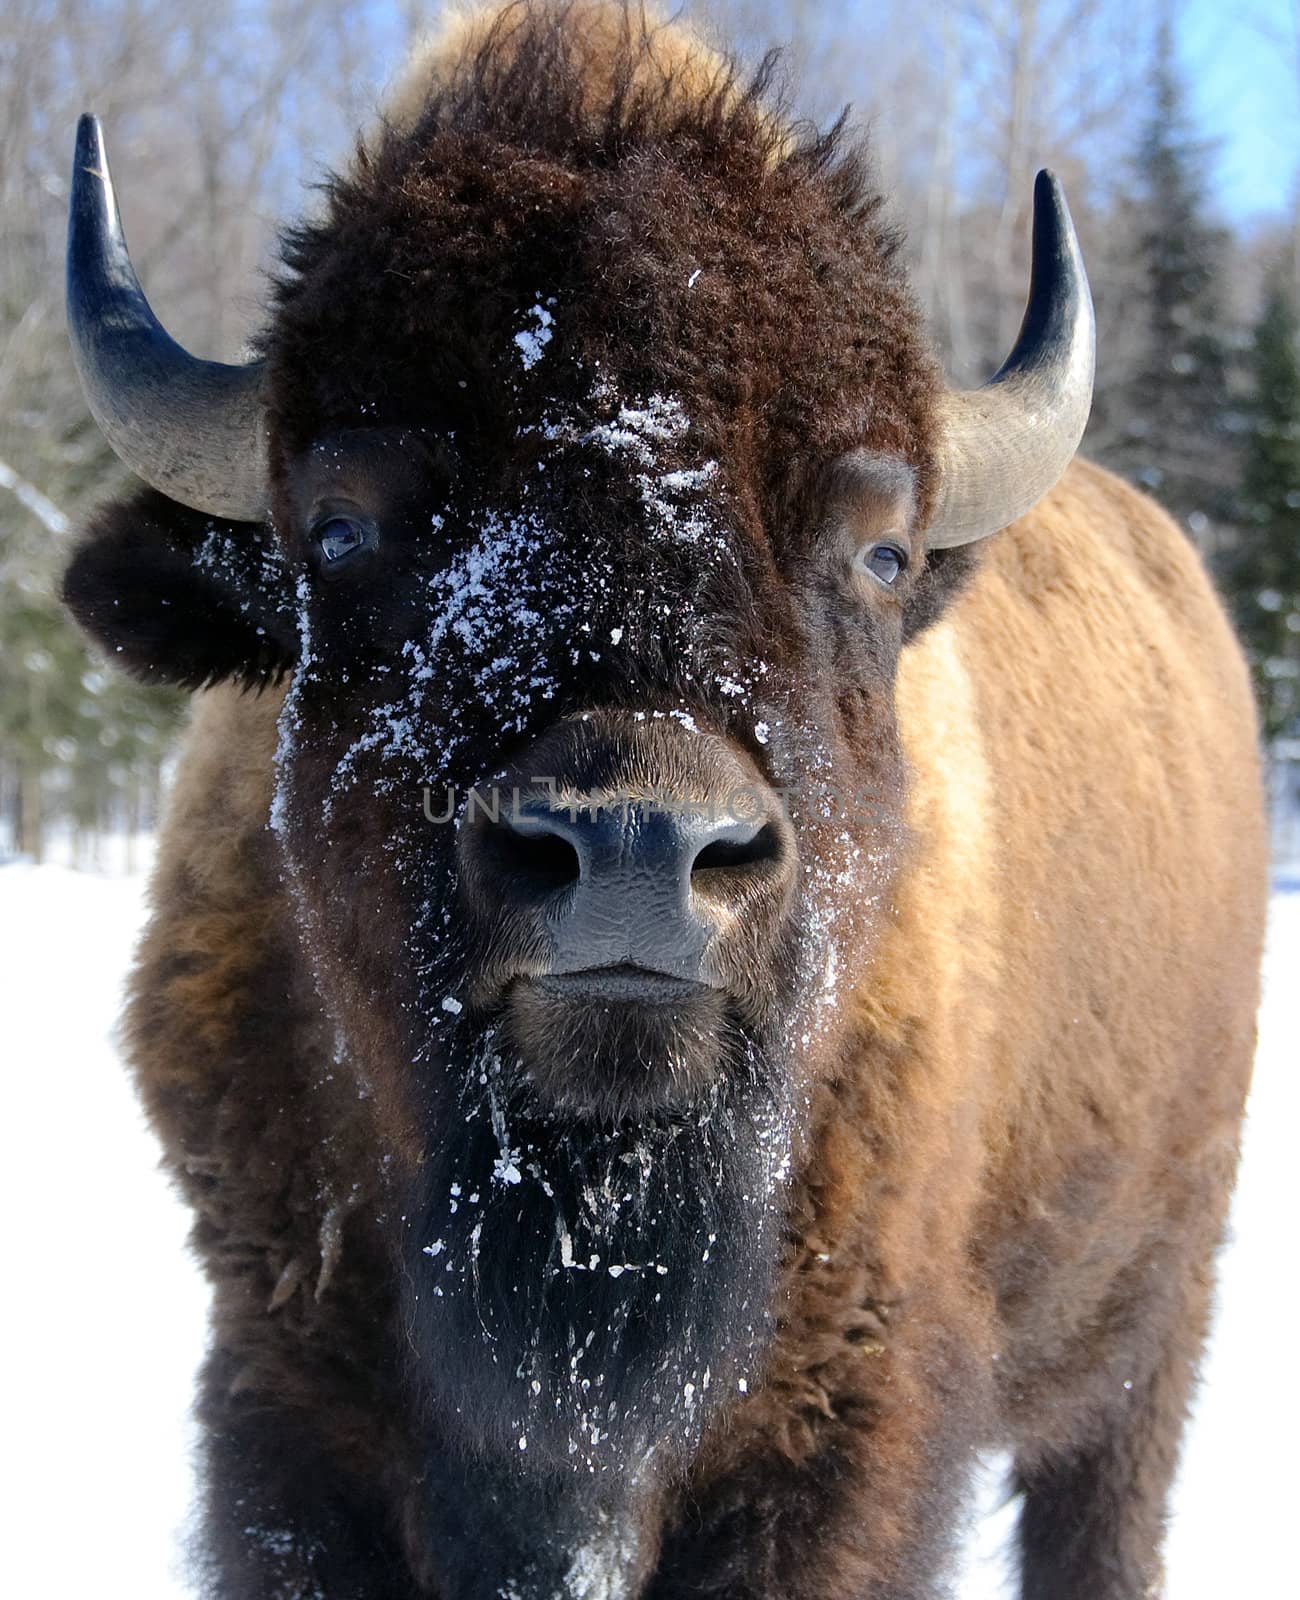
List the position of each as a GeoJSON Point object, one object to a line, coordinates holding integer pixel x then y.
{"type": "Point", "coordinates": [105, 1318]}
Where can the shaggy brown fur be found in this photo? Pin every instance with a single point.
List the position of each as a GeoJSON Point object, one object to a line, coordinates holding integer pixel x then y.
{"type": "Point", "coordinates": [1020, 1130]}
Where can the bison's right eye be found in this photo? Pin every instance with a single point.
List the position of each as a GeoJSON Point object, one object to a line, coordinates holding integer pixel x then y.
{"type": "Point", "coordinates": [341, 537]}
{"type": "Point", "coordinates": [886, 562]}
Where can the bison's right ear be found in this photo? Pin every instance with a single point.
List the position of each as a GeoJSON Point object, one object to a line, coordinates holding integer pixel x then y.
{"type": "Point", "coordinates": [181, 597]}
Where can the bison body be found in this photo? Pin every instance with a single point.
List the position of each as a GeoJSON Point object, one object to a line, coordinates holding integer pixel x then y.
{"type": "Point", "coordinates": [901, 1124]}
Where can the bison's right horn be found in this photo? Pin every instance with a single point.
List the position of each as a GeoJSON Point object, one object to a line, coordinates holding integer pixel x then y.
{"type": "Point", "coordinates": [1002, 447]}
{"type": "Point", "coordinates": [191, 428]}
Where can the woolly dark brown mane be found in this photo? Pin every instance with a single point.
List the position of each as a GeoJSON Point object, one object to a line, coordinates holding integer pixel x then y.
{"type": "Point", "coordinates": [693, 240]}
{"type": "Point", "coordinates": [534, 80]}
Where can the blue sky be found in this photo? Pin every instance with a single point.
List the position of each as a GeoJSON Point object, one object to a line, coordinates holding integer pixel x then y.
{"type": "Point", "coordinates": [1242, 68]}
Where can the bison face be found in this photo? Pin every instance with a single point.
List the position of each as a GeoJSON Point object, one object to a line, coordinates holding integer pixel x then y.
{"type": "Point", "coordinates": [556, 740]}
{"type": "Point", "coordinates": [573, 773]}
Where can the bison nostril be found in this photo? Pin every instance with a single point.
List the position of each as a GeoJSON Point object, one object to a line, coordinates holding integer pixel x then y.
{"type": "Point", "coordinates": [537, 863]}
{"type": "Point", "coordinates": [738, 854]}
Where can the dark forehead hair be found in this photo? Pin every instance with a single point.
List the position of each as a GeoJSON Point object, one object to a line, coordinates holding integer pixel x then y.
{"type": "Point", "coordinates": [685, 235]}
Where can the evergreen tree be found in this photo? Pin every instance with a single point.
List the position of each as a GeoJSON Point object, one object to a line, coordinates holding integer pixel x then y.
{"type": "Point", "coordinates": [1262, 573]}
{"type": "Point", "coordinates": [1168, 417]}
{"type": "Point", "coordinates": [81, 744]}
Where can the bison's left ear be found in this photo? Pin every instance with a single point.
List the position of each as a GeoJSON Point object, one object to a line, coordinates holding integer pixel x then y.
{"type": "Point", "coordinates": [180, 597]}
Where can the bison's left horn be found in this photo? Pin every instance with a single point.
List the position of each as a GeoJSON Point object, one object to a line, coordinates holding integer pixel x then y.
{"type": "Point", "coordinates": [191, 428]}
{"type": "Point", "coordinates": [1002, 447]}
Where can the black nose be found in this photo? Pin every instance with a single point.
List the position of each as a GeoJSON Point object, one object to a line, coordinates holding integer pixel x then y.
{"type": "Point", "coordinates": [630, 882]}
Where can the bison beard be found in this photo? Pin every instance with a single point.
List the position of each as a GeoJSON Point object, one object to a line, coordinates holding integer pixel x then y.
{"type": "Point", "coordinates": [580, 1296]}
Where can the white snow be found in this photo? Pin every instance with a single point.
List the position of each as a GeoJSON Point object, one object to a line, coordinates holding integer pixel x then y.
{"type": "Point", "coordinates": [636, 430]}
{"type": "Point", "coordinates": [104, 1323]}
{"type": "Point", "coordinates": [532, 342]}
{"type": "Point", "coordinates": [105, 1313]}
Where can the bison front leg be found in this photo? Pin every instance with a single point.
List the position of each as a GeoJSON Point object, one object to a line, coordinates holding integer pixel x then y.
{"type": "Point", "coordinates": [281, 1519]}
{"type": "Point", "coordinates": [1093, 1520]}
{"type": "Point", "coordinates": [853, 1492]}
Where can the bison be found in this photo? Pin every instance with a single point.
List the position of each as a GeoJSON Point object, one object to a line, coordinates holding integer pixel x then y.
{"type": "Point", "coordinates": [704, 949]}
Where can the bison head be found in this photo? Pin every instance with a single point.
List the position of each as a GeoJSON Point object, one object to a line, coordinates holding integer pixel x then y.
{"type": "Point", "coordinates": [590, 480]}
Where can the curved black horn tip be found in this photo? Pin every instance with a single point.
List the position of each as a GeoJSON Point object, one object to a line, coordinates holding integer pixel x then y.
{"type": "Point", "coordinates": [90, 157]}
{"type": "Point", "coordinates": [1058, 279]}
{"type": "Point", "coordinates": [1053, 226]}
{"type": "Point", "coordinates": [91, 203]}
{"type": "Point", "coordinates": [90, 140]}
{"type": "Point", "coordinates": [1047, 185]}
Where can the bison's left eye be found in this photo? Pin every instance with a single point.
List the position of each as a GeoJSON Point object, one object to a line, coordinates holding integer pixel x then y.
{"type": "Point", "coordinates": [883, 561]}
{"type": "Point", "coordinates": [340, 537]}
